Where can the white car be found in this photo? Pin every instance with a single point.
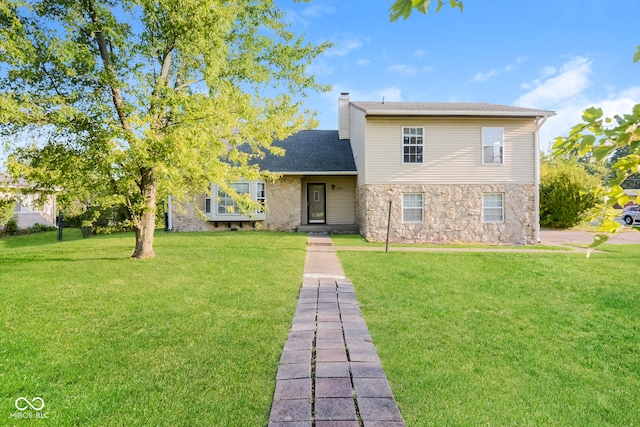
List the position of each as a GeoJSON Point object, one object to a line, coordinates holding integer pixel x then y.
{"type": "Point", "coordinates": [630, 215]}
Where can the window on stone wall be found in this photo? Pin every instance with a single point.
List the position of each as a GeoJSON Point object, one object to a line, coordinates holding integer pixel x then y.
{"type": "Point", "coordinates": [412, 207]}
{"type": "Point", "coordinates": [493, 207]}
{"type": "Point", "coordinates": [226, 204]}
{"type": "Point", "coordinates": [220, 206]}
{"type": "Point", "coordinates": [261, 194]}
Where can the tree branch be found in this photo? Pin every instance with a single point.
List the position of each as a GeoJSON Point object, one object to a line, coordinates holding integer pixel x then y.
{"type": "Point", "coordinates": [116, 94]}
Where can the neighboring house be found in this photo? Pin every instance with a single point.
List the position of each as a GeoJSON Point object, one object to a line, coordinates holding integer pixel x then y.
{"type": "Point", "coordinates": [449, 172]}
{"type": "Point", "coordinates": [28, 210]}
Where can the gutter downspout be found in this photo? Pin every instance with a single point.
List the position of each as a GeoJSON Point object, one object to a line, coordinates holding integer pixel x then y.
{"type": "Point", "coordinates": [170, 214]}
{"type": "Point", "coordinates": [539, 122]}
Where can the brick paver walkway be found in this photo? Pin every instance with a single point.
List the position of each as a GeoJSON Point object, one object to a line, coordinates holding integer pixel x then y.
{"type": "Point", "coordinates": [330, 373]}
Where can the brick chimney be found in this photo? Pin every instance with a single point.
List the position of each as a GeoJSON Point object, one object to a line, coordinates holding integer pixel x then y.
{"type": "Point", "coordinates": [344, 120]}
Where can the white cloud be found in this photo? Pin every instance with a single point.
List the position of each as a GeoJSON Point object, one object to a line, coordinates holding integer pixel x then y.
{"type": "Point", "coordinates": [321, 68]}
{"type": "Point", "coordinates": [308, 14]}
{"type": "Point", "coordinates": [555, 85]}
{"type": "Point", "coordinates": [408, 70]}
{"type": "Point", "coordinates": [345, 46]}
{"type": "Point", "coordinates": [419, 54]}
{"type": "Point", "coordinates": [401, 69]}
{"type": "Point", "coordinates": [563, 89]}
{"type": "Point", "coordinates": [317, 11]}
{"type": "Point", "coordinates": [481, 77]}
{"type": "Point", "coordinates": [363, 62]}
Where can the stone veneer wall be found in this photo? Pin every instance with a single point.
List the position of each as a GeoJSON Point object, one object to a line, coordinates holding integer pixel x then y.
{"type": "Point", "coordinates": [283, 200]}
{"type": "Point", "coordinates": [186, 218]}
{"type": "Point", "coordinates": [452, 213]}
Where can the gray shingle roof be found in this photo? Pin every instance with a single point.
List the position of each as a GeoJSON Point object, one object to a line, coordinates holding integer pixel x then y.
{"type": "Point", "coordinates": [447, 109]}
{"type": "Point", "coordinates": [312, 151]}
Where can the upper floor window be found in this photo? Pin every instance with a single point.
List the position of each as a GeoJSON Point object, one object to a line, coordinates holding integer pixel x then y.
{"type": "Point", "coordinates": [492, 145]}
{"type": "Point", "coordinates": [412, 145]}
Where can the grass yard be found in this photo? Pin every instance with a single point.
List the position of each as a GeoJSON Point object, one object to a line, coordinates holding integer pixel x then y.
{"type": "Point", "coordinates": [506, 339]}
{"type": "Point", "coordinates": [192, 338]}
{"type": "Point", "coordinates": [356, 240]}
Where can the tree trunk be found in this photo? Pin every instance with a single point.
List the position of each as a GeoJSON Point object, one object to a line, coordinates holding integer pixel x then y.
{"type": "Point", "coordinates": [146, 220]}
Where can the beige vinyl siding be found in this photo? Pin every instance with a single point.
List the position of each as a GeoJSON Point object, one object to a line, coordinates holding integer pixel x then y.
{"type": "Point", "coordinates": [358, 135]}
{"type": "Point", "coordinates": [452, 153]}
{"type": "Point", "coordinates": [340, 199]}
{"type": "Point", "coordinates": [344, 126]}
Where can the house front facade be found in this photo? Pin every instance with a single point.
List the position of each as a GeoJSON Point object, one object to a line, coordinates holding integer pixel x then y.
{"type": "Point", "coordinates": [427, 172]}
{"type": "Point", "coordinates": [316, 190]}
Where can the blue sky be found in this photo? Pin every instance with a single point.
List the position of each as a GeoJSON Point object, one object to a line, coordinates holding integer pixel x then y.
{"type": "Point", "coordinates": [560, 55]}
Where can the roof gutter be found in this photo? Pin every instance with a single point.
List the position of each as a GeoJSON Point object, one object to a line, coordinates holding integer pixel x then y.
{"type": "Point", "coordinates": [450, 113]}
{"type": "Point", "coordinates": [318, 173]}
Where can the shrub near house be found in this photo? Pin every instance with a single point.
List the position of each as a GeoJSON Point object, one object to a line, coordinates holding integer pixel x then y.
{"type": "Point", "coordinates": [566, 193]}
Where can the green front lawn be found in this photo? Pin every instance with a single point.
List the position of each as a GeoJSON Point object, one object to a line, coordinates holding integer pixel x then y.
{"type": "Point", "coordinates": [191, 338]}
{"type": "Point", "coordinates": [356, 240]}
{"type": "Point", "coordinates": [506, 339]}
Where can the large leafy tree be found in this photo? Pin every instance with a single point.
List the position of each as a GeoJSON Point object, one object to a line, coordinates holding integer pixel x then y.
{"type": "Point", "coordinates": [128, 100]}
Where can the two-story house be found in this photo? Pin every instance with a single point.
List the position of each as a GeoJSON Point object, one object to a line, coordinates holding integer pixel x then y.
{"type": "Point", "coordinates": [442, 172]}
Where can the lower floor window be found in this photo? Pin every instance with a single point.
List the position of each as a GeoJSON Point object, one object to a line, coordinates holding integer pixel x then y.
{"type": "Point", "coordinates": [220, 206]}
{"type": "Point", "coordinates": [207, 204]}
{"type": "Point", "coordinates": [261, 194]}
{"type": "Point", "coordinates": [226, 204]}
{"type": "Point", "coordinates": [412, 207]}
{"type": "Point", "coordinates": [493, 207]}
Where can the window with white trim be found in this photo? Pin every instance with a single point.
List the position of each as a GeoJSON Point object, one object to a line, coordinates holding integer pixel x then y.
{"type": "Point", "coordinates": [412, 145]}
{"type": "Point", "coordinates": [261, 194]}
{"type": "Point", "coordinates": [412, 207]}
{"type": "Point", "coordinates": [220, 206]}
{"type": "Point", "coordinates": [492, 145]}
{"type": "Point", "coordinates": [26, 203]}
{"type": "Point", "coordinates": [226, 204]}
{"type": "Point", "coordinates": [493, 207]}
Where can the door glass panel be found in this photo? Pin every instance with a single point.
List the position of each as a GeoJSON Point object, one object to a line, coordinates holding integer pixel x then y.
{"type": "Point", "coordinates": [316, 203]}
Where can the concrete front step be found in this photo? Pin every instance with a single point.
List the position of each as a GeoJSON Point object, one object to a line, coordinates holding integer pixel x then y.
{"type": "Point", "coordinates": [319, 239]}
{"type": "Point", "coordinates": [327, 228]}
